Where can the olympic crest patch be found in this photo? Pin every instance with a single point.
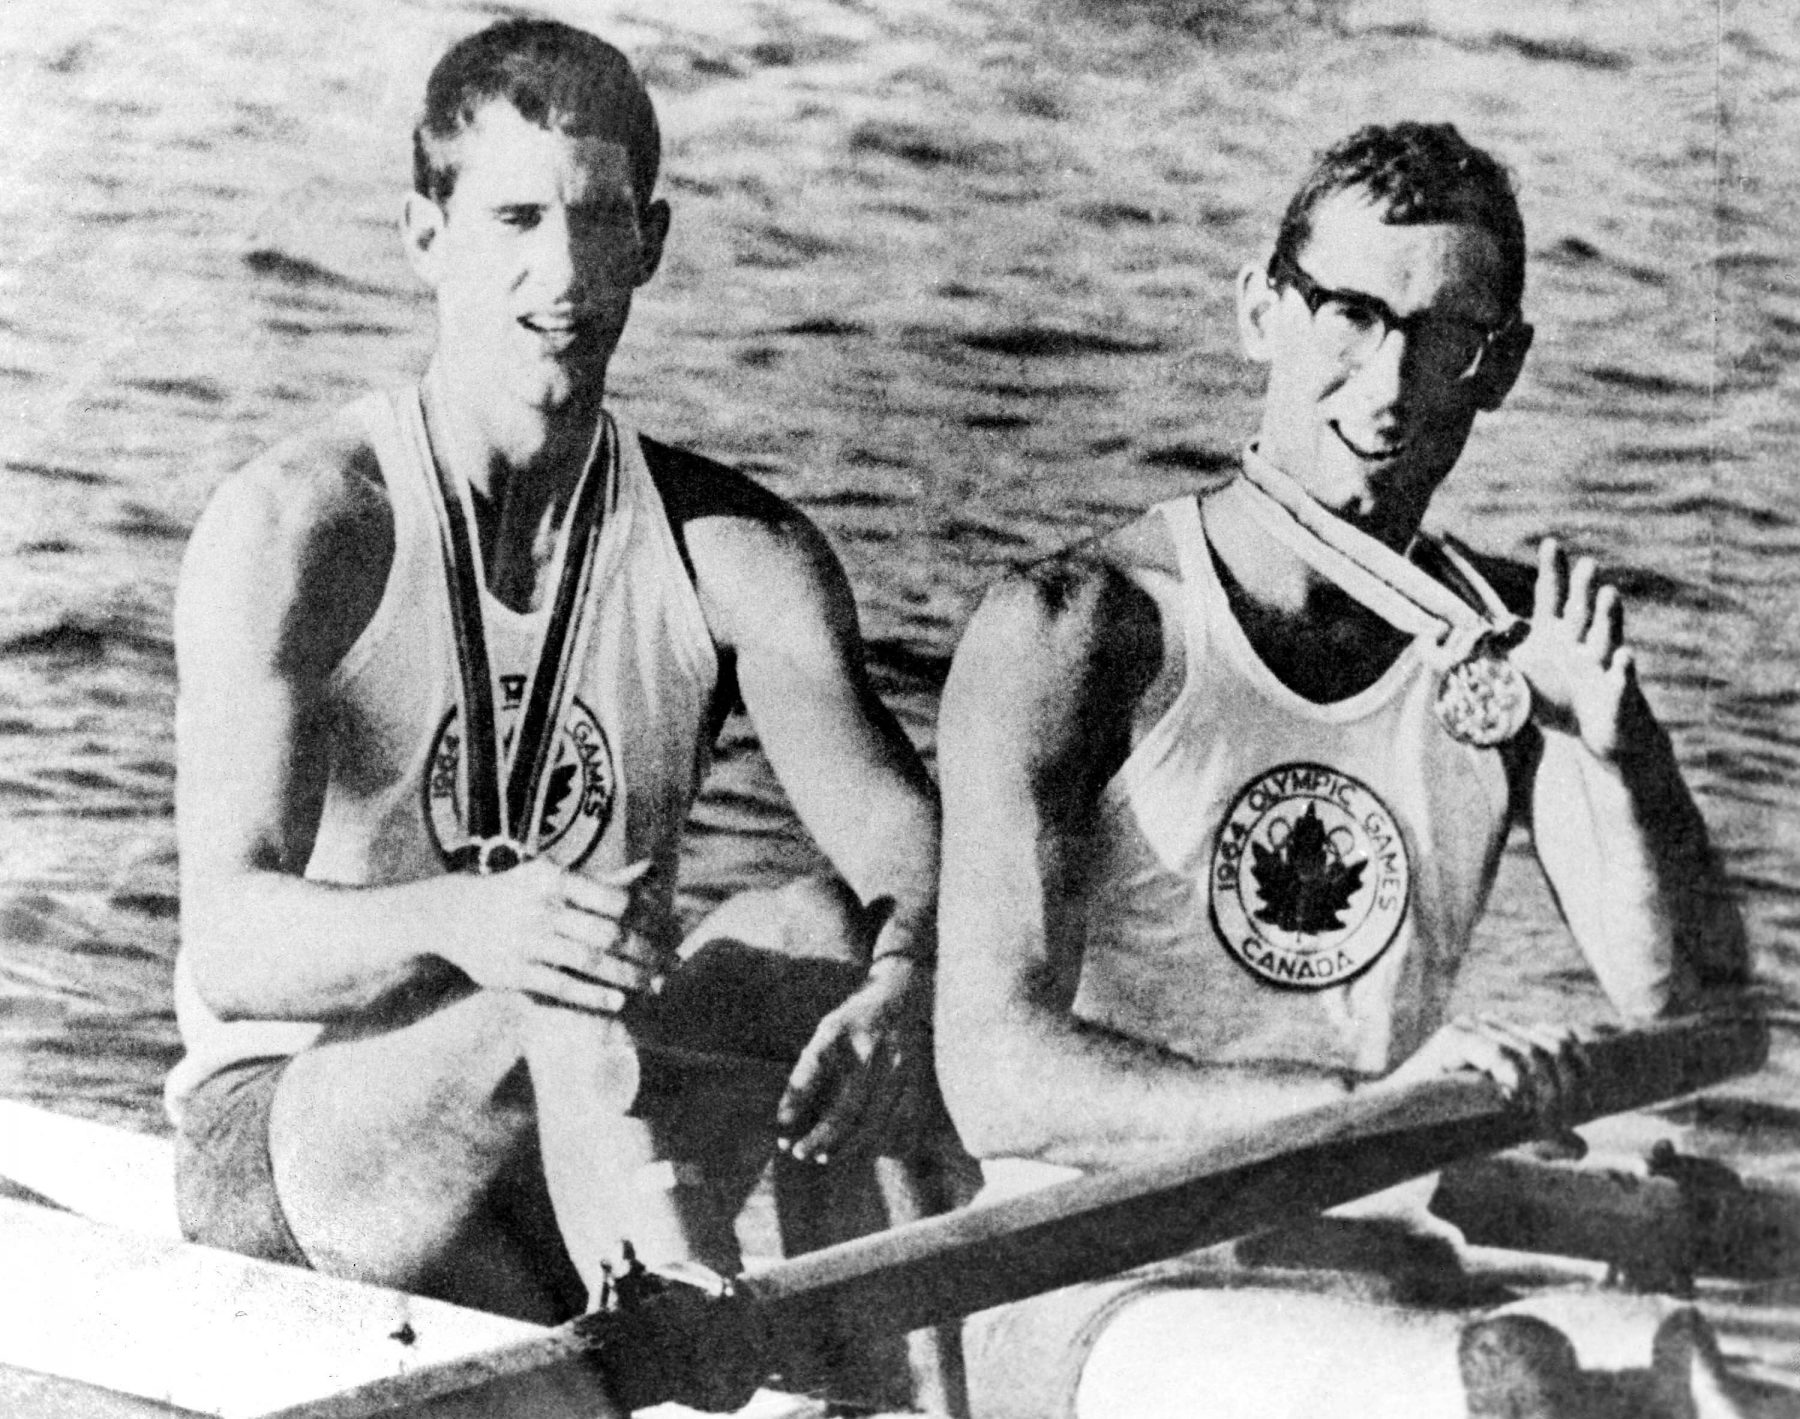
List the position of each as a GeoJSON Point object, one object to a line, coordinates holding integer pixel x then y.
{"type": "Point", "coordinates": [578, 800]}
{"type": "Point", "coordinates": [1309, 877]}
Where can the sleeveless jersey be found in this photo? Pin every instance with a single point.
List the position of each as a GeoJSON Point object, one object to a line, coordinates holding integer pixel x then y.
{"type": "Point", "coordinates": [1274, 879]}
{"type": "Point", "coordinates": [631, 750]}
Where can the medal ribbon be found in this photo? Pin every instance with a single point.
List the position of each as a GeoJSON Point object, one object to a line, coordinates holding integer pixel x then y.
{"type": "Point", "coordinates": [505, 790]}
{"type": "Point", "coordinates": [1446, 627]}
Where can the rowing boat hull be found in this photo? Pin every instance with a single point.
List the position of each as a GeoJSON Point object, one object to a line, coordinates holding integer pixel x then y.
{"type": "Point", "coordinates": [205, 1330]}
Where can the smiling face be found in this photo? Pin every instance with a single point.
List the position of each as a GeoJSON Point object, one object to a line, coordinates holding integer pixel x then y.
{"type": "Point", "coordinates": [534, 259]}
{"type": "Point", "coordinates": [1372, 437]}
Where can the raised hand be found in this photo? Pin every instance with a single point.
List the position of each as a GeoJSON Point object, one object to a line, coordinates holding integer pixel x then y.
{"type": "Point", "coordinates": [557, 936]}
{"type": "Point", "coordinates": [1583, 676]}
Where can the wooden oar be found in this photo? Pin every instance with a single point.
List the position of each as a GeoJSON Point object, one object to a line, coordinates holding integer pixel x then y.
{"type": "Point", "coordinates": [1085, 1229]}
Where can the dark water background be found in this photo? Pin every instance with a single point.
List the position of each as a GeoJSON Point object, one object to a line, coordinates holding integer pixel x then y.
{"type": "Point", "coordinates": [952, 274]}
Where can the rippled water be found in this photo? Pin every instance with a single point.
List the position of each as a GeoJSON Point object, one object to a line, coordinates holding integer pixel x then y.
{"type": "Point", "coordinates": [954, 274]}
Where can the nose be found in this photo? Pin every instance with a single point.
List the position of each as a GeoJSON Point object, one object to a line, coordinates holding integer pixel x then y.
{"type": "Point", "coordinates": [554, 266]}
{"type": "Point", "coordinates": [1384, 377]}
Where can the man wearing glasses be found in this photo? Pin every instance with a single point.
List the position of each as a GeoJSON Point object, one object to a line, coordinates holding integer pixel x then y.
{"type": "Point", "coordinates": [1225, 791]}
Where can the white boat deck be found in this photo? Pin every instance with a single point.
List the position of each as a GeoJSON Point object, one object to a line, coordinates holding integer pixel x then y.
{"type": "Point", "coordinates": [105, 1311]}
{"type": "Point", "coordinates": [206, 1330]}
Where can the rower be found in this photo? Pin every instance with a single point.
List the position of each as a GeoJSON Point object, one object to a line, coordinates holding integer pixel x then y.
{"type": "Point", "coordinates": [451, 667]}
{"type": "Point", "coordinates": [1226, 790]}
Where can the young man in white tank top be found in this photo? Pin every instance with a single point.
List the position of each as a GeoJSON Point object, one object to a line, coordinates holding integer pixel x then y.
{"type": "Point", "coordinates": [481, 626]}
{"type": "Point", "coordinates": [1210, 856]}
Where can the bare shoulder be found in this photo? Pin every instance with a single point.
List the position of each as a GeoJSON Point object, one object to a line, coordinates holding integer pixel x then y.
{"type": "Point", "coordinates": [1051, 668]}
{"type": "Point", "coordinates": [1083, 609]}
{"type": "Point", "coordinates": [757, 561]}
{"type": "Point", "coordinates": [291, 555]}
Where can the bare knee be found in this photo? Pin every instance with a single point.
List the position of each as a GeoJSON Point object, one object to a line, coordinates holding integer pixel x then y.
{"type": "Point", "coordinates": [492, 1031]}
{"type": "Point", "coordinates": [816, 916]}
{"type": "Point", "coordinates": [385, 1145]}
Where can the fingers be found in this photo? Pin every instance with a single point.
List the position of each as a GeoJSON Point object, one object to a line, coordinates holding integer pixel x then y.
{"type": "Point", "coordinates": [1542, 1068]}
{"type": "Point", "coordinates": [1578, 603]}
{"type": "Point", "coordinates": [1547, 598]}
{"type": "Point", "coordinates": [548, 984]}
{"type": "Point", "coordinates": [795, 1114]}
{"type": "Point", "coordinates": [838, 1100]}
{"type": "Point", "coordinates": [609, 894]}
{"type": "Point", "coordinates": [1624, 668]}
{"type": "Point", "coordinates": [571, 928]}
{"type": "Point", "coordinates": [629, 965]}
{"type": "Point", "coordinates": [1549, 1062]}
{"type": "Point", "coordinates": [1594, 617]}
{"type": "Point", "coordinates": [600, 935]}
{"type": "Point", "coordinates": [1606, 632]}
{"type": "Point", "coordinates": [889, 1105]}
{"type": "Point", "coordinates": [1466, 1044]}
{"type": "Point", "coordinates": [844, 1104]}
{"type": "Point", "coordinates": [592, 916]}
{"type": "Point", "coordinates": [1575, 657]}
{"type": "Point", "coordinates": [627, 876]}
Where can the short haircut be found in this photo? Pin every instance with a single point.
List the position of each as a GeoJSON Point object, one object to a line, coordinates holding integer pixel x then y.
{"type": "Point", "coordinates": [556, 76]}
{"type": "Point", "coordinates": [1417, 173]}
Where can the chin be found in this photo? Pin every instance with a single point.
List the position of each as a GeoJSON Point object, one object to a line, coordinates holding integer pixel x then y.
{"type": "Point", "coordinates": [555, 393]}
{"type": "Point", "coordinates": [1343, 482]}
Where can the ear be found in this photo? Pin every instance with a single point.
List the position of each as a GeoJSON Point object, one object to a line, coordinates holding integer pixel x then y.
{"type": "Point", "coordinates": [656, 219]}
{"type": "Point", "coordinates": [1500, 371]}
{"type": "Point", "coordinates": [421, 224]}
{"type": "Point", "coordinates": [1257, 298]}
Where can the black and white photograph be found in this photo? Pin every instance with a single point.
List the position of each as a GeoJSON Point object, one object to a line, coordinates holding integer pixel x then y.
{"type": "Point", "coordinates": [993, 709]}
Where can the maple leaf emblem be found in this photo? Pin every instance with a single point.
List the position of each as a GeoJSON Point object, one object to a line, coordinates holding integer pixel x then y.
{"type": "Point", "coordinates": [1305, 885]}
{"type": "Point", "coordinates": [561, 781]}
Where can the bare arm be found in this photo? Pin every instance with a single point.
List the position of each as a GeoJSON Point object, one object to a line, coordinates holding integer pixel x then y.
{"type": "Point", "coordinates": [775, 596]}
{"type": "Point", "coordinates": [1036, 717]}
{"type": "Point", "coordinates": [284, 570]}
{"type": "Point", "coordinates": [1619, 836]}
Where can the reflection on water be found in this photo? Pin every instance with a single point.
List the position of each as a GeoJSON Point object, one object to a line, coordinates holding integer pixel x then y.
{"type": "Point", "coordinates": [956, 277]}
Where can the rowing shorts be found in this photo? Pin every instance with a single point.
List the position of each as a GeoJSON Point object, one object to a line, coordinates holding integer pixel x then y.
{"type": "Point", "coordinates": [224, 1178]}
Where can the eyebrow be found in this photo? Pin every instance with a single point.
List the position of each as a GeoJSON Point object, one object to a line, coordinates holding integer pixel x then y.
{"type": "Point", "coordinates": [1392, 316]}
{"type": "Point", "coordinates": [599, 202]}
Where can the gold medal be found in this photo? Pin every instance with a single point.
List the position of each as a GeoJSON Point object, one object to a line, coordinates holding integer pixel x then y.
{"type": "Point", "coordinates": [1483, 700]}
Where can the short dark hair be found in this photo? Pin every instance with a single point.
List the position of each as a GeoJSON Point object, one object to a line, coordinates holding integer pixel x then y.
{"type": "Point", "coordinates": [1416, 172]}
{"type": "Point", "coordinates": [556, 76]}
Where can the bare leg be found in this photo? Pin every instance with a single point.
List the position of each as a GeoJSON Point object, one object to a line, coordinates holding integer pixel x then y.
{"type": "Point", "coordinates": [456, 1155]}
{"type": "Point", "coordinates": [671, 1175]}
{"type": "Point", "coordinates": [409, 1158]}
{"type": "Point", "coordinates": [418, 1157]}
{"type": "Point", "coordinates": [616, 1176]}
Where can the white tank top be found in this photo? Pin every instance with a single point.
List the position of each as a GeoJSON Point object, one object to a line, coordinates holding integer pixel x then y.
{"type": "Point", "coordinates": [1274, 879]}
{"type": "Point", "coordinates": [631, 751]}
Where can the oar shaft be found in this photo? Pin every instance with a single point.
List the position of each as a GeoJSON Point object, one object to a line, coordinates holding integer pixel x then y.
{"type": "Point", "coordinates": [1099, 1225]}
{"type": "Point", "coordinates": [1091, 1227]}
